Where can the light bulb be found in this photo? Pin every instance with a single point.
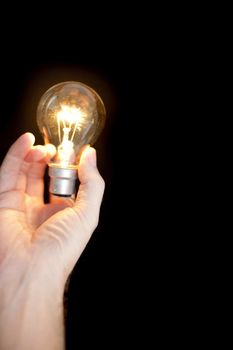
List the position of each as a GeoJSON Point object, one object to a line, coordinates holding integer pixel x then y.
{"type": "Point", "coordinates": [69, 115]}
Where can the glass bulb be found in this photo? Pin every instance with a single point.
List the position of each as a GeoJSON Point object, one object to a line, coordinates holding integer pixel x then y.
{"type": "Point", "coordinates": [69, 115]}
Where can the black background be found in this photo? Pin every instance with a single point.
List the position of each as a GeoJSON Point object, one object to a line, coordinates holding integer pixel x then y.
{"type": "Point", "coordinates": [136, 284]}
{"type": "Point", "coordinates": [109, 301]}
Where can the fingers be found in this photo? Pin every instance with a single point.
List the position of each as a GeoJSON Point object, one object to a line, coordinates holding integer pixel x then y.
{"type": "Point", "coordinates": [91, 190]}
{"type": "Point", "coordinates": [24, 165]}
{"type": "Point", "coordinates": [35, 154]}
{"type": "Point", "coordinates": [37, 159]}
{"type": "Point", "coordinates": [40, 153]}
{"type": "Point", "coordinates": [11, 176]}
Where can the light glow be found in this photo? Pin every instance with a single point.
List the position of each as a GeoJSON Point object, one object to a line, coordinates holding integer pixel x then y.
{"type": "Point", "coordinates": [68, 120]}
{"type": "Point", "coordinates": [69, 115]}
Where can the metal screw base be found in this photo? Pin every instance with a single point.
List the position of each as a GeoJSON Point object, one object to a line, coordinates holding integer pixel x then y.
{"type": "Point", "coordinates": [62, 181]}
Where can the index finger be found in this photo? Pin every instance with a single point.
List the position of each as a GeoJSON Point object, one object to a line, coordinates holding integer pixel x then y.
{"type": "Point", "coordinates": [11, 177]}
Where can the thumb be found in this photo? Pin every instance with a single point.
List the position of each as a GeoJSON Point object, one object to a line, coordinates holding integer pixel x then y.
{"type": "Point", "coordinates": [90, 191]}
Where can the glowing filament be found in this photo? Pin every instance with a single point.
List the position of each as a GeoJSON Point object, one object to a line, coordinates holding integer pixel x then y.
{"type": "Point", "coordinates": [68, 118]}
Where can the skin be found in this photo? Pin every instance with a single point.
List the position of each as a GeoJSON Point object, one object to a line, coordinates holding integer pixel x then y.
{"type": "Point", "coordinates": [40, 244]}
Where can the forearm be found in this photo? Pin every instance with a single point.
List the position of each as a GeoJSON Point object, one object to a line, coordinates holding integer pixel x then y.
{"type": "Point", "coordinates": [31, 317]}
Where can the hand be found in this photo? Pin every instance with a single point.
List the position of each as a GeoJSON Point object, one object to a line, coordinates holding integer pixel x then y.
{"type": "Point", "coordinates": [41, 241]}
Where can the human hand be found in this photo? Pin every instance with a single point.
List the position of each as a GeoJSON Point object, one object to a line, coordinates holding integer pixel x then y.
{"type": "Point", "coordinates": [40, 243]}
{"type": "Point", "coordinates": [51, 237]}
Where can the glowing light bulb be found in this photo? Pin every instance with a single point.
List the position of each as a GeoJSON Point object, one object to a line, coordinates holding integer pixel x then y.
{"type": "Point", "coordinates": [69, 115]}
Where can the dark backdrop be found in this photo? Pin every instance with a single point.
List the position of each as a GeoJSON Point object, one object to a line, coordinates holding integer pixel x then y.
{"type": "Point", "coordinates": [108, 292]}
{"type": "Point", "coordinates": [136, 284]}
{"type": "Point", "coordinates": [130, 287]}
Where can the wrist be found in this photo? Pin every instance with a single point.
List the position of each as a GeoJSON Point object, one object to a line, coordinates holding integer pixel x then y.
{"type": "Point", "coordinates": [22, 272]}
{"type": "Point", "coordinates": [31, 309]}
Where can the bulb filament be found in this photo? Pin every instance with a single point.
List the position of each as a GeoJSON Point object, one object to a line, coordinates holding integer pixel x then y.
{"type": "Point", "coordinates": [68, 121]}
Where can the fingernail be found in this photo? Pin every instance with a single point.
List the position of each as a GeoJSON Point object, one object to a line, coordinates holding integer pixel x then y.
{"type": "Point", "coordinates": [31, 136]}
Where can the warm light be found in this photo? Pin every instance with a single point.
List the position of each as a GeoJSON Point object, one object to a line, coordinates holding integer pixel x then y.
{"type": "Point", "coordinates": [68, 120]}
{"type": "Point", "coordinates": [69, 115]}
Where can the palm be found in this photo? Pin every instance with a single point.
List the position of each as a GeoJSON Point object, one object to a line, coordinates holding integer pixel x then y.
{"type": "Point", "coordinates": [22, 218]}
